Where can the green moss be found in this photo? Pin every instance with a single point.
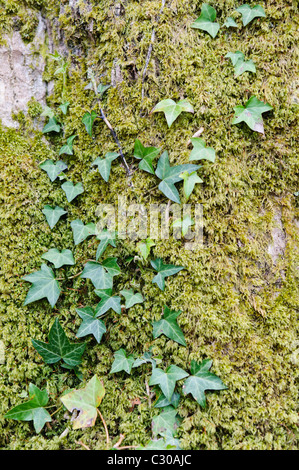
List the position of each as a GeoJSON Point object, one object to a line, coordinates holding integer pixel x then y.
{"type": "Point", "coordinates": [238, 308]}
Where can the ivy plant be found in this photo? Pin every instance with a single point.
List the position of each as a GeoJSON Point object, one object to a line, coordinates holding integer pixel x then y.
{"type": "Point", "coordinates": [206, 20]}
{"type": "Point", "coordinates": [250, 13]}
{"type": "Point", "coordinates": [172, 110]}
{"type": "Point", "coordinates": [251, 113]}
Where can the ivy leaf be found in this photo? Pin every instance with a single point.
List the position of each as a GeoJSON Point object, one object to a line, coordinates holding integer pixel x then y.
{"type": "Point", "coordinates": [201, 380]}
{"type": "Point", "coordinates": [230, 23]}
{"type": "Point", "coordinates": [53, 214]}
{"type": "Point", "coordinates": [168, 326]}
{"type": "Point", "coordinates": [104, 164]}
{"type": "Point", "coordinates": [91, 325]}
{"type": "Point", "coordinates": [68, 147]}
{"type": "Point", "coordinates": [108, 301]}
{"type": "Point", "coordinates": [146, 155]}
{"type": "Point", "coordinates": [248, 13]}
{"type": "Point", "coordinates": [172, 110]}
{"type": "Point", "coordinates": [88, 120]}
{"type": "Point", "coordinates": [32, 410]}
{"type": "Point", "coordinates": [200, 151]}
{"type": "Point", "coordinates": [48, 112]}
{"type": "Point", "coordinates": [171, 175]}
{"type": "Point", "coordinates": [164, 270]}
{"type": "Point", "coordinates": [53, 169]}
{"type": "Point", "coordinates": [251, 113]}
{"type": "Point", "coordinates": [102, 88]}
{"type": "Point", "coordinates": [65, 257]}
{"type": "Point", "coordinates": [44, 285]}
{"type": "Point", "coordinates": [106, 238]}
{"type": "Point", "coordinates": [144, 359]}
{"type": "Point", "coordinates": [101, 275]}
{"type": "Point", "coordinates": [184, 224]}
{"type": "Point", "coordinates": [161, 444]}
{"type": "Point", "coordinates": [190, 181]}
{"type": "Point", "coordinates": [122, 362]}
{"type": "Point", "coordinates": [86, 400]}
{"type": "Point", "coordinates": [166, 423]}
{"type": "Point", "coordinates": [162, 401]}
{"type": "Point", "coordinates": [167, 380]}
{"type": "Point", "coordinates": [145, 247]}
{"type": "Point", "coordinates": [72, 190]}
{"type": "Point", "coordinates": [240, 64]}
{"type": "Point", "coordinates": [81, 231]}
{"type": "Point", "coordinates": [131, 298]}
{"type": "Point", "coordinates": [64, 107]}
{"type": "Point", "coordinates": [206, 20]}
{"type": "Point", "coordinates": [59, 347]}
{"type": "Point", "coordinates": [52, 126]}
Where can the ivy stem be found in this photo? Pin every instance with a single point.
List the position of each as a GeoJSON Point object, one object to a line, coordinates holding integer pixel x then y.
{"type": "Point", "coordinates": [58, 409]}
{"type": "Point", "coordinates": [105, 426]}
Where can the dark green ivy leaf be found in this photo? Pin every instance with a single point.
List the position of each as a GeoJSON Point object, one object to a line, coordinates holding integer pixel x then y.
{"type": "Point", "coordinates": [167, 380]}
{"type": "Point", "coordinates": [106, 238]}
{"type": "Point", "coordinates": [91, 325]}
{"type": "Point", "coordinates": [104, 164]}
{"type": "Point", "coordinates": [82, 231]}
{"type": "Point", "coordinates": [108, 301]}
{"type": "Point", "coordinates": [32, 410]}
{"type": "Point", "coordinates": [68, 147]}
{"type": "Point", "coordinates": [146, 155]}
{"type": "Point", "coordinates": [169, 327]}
{"type": "Point", "coordinates": [164, 270]}
{"type": "Point", "coordinates": [59, 347]}
{"type": "Point", "coordinates": [88, 120]}
{"type": "Point", "coordinates": [59, 259]}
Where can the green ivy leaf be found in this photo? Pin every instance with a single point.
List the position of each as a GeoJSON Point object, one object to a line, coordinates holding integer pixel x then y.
{"type": "Point", "coordinates": [68, 147]}
{"type": "Point", "coordinates": [145, 247]}
{"type": "Point", "coordinates": [172, 110]}
{"type": "Point", "coordinates": [230, 23]}
{"type": "Point", "coordinates": [201, 380]}
{"type": "Point", "coordinates": [91, 325]}
{"type": "Point", "coordinates": [164, 270]}
{"type": "Point", "coordinates": [86, 400]}
{"type": "Point", "coordinates": [101, 275]}
{"type": "Point", "coordinates": [240, 64]}
{"type": "Point", "coordinates": [168, 326]}
{"type": "Point", "coordinates": [102, 88]}
{"type": "Point", "coordinates": [167, 380]}
{"type": "Point", "coordinates": [32, 410]}
{"type": "Point", "coordinates": [131, 298]}
{"type": "Point", "coordinates": [108, 301]}
{"type": "Point", "coordinates": [72, 190]}
{"type": "Point", "coordinates": [81, 231]}
{"type": "Point", "coordinates": [162, 401]}
{"type": "Point", "coordinates": [206, 20]}
{"type": "Point", "coordinates": [88, 120]}
{"type": "Point", "coordinates": [122, 362]}
{"type": "Point", "coordinates": [146, 155]}
{"type": "Point", "coordinates": [59, 259]}
{"type": "Point", "coordinates": [200, 151]}
{"type": "Point", "coordinates": [251, 113]}
{"type": "Point", "coordinates": [171, 175]}
{"type": "Point", "coordinates": [44, 285]}
{"type": "Point", "coordinates": [53, 214]}
{"type": "Point", "coordinates": [52, 126]}
{"type": "Point", "coordinates": [59, 347]}
{"type": "Point", "coordinates": [53, 169]}
{"type": "Point", "coordinates": [64, 107]}
{"type": "Point", "coordinates": [166, 423]}
{"type": "Point", "coordinates": [106, 238]}
{"type": "Point", "coordinates": [248, 13]}
{"type": "Point", "coordinates": [104, 164]}
{"type": "Point", "coordinates": [144, 359]}
{"type": "Point", "coordinates": [190, 181]}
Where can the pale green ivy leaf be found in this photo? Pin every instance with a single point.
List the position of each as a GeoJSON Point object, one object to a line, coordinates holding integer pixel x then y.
{"type": "Point", "coordinates": [53, 169]}
{"type": "Point", "coordinates": [248, 13]}
{"type": "Point", "coordinates": [59, 259]}
{"type": "Point", "coordinates": [44, 285]}
{"type": "Point", "coordinates": [251, 113]}
{"type": "Point", "coordinates": [53, 214]}
{"type": "Point", "coordinates": [206, 20]}
{"type": "Point", "coordinates": [68, 147]}
{"type": "Point", "coordinates": [72, 190]}
{"type": "Point", "coordinates": [104, 164]}
{"type": "Point", "coordinates": [172, 110]}
{"type": "Point", "coordinates": [164, 270]}
{"type": "Point", "coordinates": [88, 120]}
{"type": "Point", "coordinates": [122, 361]}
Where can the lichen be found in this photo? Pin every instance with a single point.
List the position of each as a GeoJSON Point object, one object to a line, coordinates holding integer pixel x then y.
{"type": "Point", "coordinates": [238, 307]}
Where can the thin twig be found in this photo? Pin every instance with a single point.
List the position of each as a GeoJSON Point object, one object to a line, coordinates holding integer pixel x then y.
{"type": "Point", "coordinates": [148, 392]}
{"type": "Point", "coordinates": [105, 426]}
{"type": "Point", "coordinates": [127, 447]}
{"type": "Point", "coordinates": [121, 438]}
{"type": "Point", "coordinates": [113, 133]}
{"type": "Point", "coordinates": [82, 444]}
{"type": "Point", "coordinates": [149, 52]}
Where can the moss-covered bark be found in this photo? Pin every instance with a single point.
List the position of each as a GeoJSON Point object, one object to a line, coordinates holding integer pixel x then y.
{"type": "Point", "coordinates": [238, 307]}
